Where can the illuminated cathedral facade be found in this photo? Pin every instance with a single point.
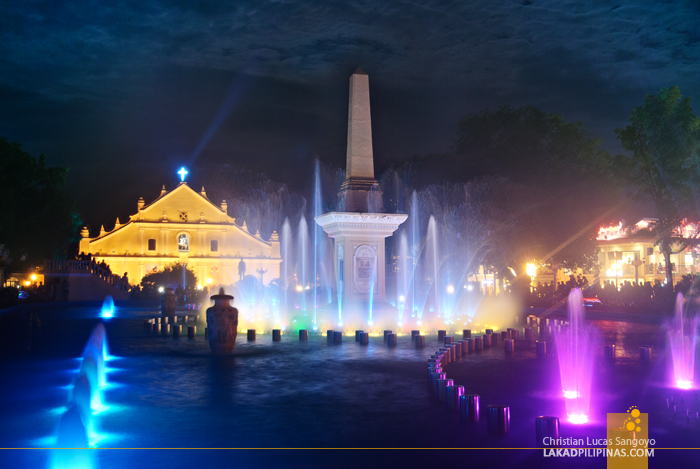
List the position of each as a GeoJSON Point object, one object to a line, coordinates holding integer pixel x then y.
{"type": "Point", "coordinates": [185, 226]}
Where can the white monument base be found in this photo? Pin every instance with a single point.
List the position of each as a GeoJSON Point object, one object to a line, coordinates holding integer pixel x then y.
{"type": "Point", "coordinates": [359, 253]}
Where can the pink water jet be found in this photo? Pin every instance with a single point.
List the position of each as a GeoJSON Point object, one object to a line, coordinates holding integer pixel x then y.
{"type": "Point", "coordinates": [682, 338]}
{"type": "Point", "coordinates": [576, 345]}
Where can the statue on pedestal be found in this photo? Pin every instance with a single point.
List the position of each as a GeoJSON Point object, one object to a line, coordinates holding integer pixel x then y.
{"type": "Point", "coordinates": [222, 322]}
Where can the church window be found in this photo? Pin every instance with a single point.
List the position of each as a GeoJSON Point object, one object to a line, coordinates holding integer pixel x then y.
{"type": "Point", "coordinates": [151, 244]}
{"type": "Point", "coordinates": [183, 243]}
{"type": "Point", "coordinates": [214, 245]}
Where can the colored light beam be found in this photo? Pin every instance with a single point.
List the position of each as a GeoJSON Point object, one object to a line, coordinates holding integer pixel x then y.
{"type": "Point", "coordinates": [232, 97]}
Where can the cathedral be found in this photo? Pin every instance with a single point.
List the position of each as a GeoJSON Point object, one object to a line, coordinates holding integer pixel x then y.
{"type": "Point", "coordinates": [185, 226]}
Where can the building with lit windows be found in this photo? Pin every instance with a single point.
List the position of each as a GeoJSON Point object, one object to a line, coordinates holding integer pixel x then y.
{"type": "Point", "coordinates": [630, 253]}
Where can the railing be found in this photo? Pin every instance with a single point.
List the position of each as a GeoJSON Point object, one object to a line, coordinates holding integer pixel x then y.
{"type": "Point", "coordinates": [78, 266]}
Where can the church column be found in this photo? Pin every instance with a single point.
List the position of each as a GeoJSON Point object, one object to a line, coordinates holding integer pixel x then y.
{"type": "Point", "coordinates": [141, 236]}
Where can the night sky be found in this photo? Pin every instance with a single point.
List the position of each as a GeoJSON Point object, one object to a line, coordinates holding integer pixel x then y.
{"type": "Point", "coordinates": [123, 93]}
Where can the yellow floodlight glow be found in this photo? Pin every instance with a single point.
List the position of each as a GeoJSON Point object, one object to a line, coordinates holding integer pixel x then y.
{"type": "Point", "coordinates": [209, 281]}
{"type": "Point", "coordinates": [33, 277]}
{"type": "Point", "coordinates": [531, 270]}
{"type": "Point", "coordinates": [300, 288]}
{"type": "Point", "coordinates": [450, 289]}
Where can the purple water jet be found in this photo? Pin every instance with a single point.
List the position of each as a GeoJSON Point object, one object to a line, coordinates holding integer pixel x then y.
{"type": "Point", "coordinates": [682, 338]}
{"type": "Point", "coordinates": [575, 350]}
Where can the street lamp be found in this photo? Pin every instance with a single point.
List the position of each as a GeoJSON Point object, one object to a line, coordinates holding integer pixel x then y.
{"type": "Point", "coordinates": [531, 270]}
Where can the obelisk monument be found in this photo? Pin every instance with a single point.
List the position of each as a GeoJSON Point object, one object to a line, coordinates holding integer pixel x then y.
{"type": "Point", "coordinates": [360, 192]}
{"type": "Point", "coordinates": [359, 232]}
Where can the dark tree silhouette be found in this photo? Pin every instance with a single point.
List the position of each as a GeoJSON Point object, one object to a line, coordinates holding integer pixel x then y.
{"type": "Point", "coordinates": [38, 220]}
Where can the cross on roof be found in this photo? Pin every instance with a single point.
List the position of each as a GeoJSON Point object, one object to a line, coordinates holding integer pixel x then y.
{"type": "Point", "coordinates": [183, 172]}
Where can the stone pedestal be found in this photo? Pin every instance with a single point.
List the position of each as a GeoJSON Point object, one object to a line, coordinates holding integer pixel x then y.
{"type": "Point", "coordinates": [359, 256]}
{"type": "Point", "coordinates": [222, 324]}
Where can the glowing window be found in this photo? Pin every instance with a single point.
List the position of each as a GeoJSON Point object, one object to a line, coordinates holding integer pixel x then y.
{"type": "Point", "coordinates": [183, 243]}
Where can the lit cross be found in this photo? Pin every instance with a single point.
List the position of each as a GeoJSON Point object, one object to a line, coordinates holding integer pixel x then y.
{"type": "Point", "coordinates": [183, 172]}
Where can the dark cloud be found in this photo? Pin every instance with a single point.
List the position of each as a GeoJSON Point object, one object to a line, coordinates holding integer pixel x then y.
{"type": "Point", "coordinates": [124, 92]}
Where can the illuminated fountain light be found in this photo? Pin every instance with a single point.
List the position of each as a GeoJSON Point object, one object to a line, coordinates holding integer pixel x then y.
{"type": "Point", "coordinates": [575, 351]}
{"type": "Point", "coordinates": [107, 308]}
{"type": "Point", "coordinates": [684, 384]}
{"type": "Point", "coordinates": [682, 337]}
{"type": "Point", "coordinates": [577, 419]}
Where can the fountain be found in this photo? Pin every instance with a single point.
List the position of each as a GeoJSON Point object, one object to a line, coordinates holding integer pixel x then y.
{"type": "Point", "coordinates": [576, 347]}
{"type": "Point", "coordinates": [76, 429]}
{"type": "Point", "coordinates": [107, 310]}
{"type": "Point", "coordinates": [682, 338]}
{"type": "Point", "coordinates": [95, 355]}
{"type": "Point", "coordinates": [334, 274]}
{"type": "Point", "coordinates": [72, 450]}
{"type": "Point", "coordinates": [303, 262]}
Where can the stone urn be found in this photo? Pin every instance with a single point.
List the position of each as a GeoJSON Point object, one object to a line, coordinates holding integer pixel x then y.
{"type": "Point", "coordinates": [222, 322]}
{"type": "Point", "coordinates": [168, 302]}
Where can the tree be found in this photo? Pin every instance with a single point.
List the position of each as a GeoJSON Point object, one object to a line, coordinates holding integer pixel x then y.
{"type": "Point", "coordinates": [528, 145]}
{"type": "Point", "coordinates": [171, 275]}
{"type": "Point", "coordinates": [664, 138]}
{"type": "Point", "coordinates": [563, 174]}
{"type": "Point", "coordinates": [37, 220]}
